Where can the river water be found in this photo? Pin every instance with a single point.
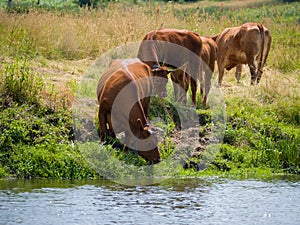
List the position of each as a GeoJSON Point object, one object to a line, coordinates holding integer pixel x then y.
{"type": "Point", "coordinates": [174, 201]}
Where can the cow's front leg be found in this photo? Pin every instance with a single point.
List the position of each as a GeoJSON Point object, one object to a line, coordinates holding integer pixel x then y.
{"type": "Point", "coordinates": [194, 90]}
{"type": "Point", "coordinates": [180, 86]}
{"type": "Point", "coordinates": [102, 126]}
{"type": "Point", "coordinates": [175, 85]}
{"type": "Point", "coordinates": [221, 74]}
{"type": "Point", "coordinates": [110, 132]}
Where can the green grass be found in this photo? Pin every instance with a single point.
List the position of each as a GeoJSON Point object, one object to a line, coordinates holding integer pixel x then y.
{"type": "Point", "coordinates": [37, 142]}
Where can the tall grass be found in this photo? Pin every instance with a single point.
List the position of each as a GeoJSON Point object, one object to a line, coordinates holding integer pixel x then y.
{"type": "Point", "coordinates": [76, 36]}
{"type": "Point", "coordinates": [90, 34]}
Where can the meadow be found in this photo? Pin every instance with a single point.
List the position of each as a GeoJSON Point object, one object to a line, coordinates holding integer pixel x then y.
{"type": "Point", "coordinates": [45, 51]}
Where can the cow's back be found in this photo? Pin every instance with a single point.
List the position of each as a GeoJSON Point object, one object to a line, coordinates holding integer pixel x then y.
{"type": "Point", "coordinates": [117, 66]}
{"type": "Point", "coordinates": [170, 46]}
{"type": "Point", "coordinates": [185, 38]}
{"type": "Point", "coordinates": [124, 76]}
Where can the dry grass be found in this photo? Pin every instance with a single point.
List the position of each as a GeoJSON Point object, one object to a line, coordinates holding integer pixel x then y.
{"type": "Point", "coordinates": [90, 34]}
{"type": "Point", "coordinates": [274, 87]}
{"type": "Point", "coordinates": [82, 35]}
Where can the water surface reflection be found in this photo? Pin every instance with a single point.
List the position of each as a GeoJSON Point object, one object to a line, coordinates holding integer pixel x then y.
{"type": "Point", "coordinates": [176, 201]}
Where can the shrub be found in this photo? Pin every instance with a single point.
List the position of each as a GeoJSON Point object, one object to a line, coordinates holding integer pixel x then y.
{"type": "Point", "coordinates": [20, 83]}
{"type": "Point", "coordinates": [37, 142]}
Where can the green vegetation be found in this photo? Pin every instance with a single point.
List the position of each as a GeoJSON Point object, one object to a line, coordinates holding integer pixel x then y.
{"type": "Point", "coordinates": [35, 139]}
{"type": "Point", "coordinates": [45, 49]}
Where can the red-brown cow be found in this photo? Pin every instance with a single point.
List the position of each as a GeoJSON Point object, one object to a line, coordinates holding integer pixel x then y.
{"type": "Point", "coordinates": [123, 92]}
{"type": "Point", "coordinates": [178, 49]}
{"type": "Point", "coordinates": [243, 45]}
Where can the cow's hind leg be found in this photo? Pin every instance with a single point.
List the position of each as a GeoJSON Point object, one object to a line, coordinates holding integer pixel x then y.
{"type": "Point", "coordinates": [251, 54]}
{"type": "Point", "coordinates": [238, 72]}
{"type": "Point", "coordinates": [252, 68]}
{"type": "Point", "coordinates": [253, 73]}
{"type": "Point", "coordinates": [266, 48]}
{"type": "Point", "coordinates": [258, 75]}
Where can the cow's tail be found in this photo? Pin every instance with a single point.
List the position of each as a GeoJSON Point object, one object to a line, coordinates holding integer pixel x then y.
{"type": "Point", "coordinates": [261, 57]}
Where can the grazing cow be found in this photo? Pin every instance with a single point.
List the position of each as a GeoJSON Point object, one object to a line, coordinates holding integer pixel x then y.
{"type": "Point", "coordinates": [243, 45]}
{"type": "Point", "coordinates": [123, 92]}
{"type": "Point", "coordinates": [175, 48]}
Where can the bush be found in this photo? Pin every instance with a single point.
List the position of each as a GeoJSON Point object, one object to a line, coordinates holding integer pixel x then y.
{"type": "Point", "coordinates": [20, 83]}
{"type": "Point", "coordinates": [273, 143]}
{"type": "Point", "coordinates": [37, 142]}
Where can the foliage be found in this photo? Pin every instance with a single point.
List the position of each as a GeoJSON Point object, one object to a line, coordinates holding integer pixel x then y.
{"type": "Point", "coordinates": [20, 83]}
{"type": "Point", "coordinates": [271, 142]}
{"type": "Point", "coordinates": [70, 6]}
{"type": "Point", "coordinates": [37, 142]}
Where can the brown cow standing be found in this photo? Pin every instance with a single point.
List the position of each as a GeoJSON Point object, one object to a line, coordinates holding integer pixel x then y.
{"type": "Point", "coordinates": [178, 49]}
{"type": "Point", "coordinates": [243, 45]}
{"type": "Point", "coordinates": [123, 92]}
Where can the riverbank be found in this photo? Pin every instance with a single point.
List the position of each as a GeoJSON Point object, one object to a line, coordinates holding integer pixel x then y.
{"type": "Point", "coordinates": [45, 53]}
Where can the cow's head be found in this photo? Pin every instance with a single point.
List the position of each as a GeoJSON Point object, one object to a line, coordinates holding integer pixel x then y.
{"type": "Point", "coordinates": [148, 138]}
{"type": "Point", "coordinates": [160, 74]}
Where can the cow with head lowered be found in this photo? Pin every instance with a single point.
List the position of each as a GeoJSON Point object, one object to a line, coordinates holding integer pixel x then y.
{"type": "Point", "coordinates": [179, 49]}
{"type": "Point", "coordinates": [123, 92]}
{"type": "Point", "coordinates": [243, 45]}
